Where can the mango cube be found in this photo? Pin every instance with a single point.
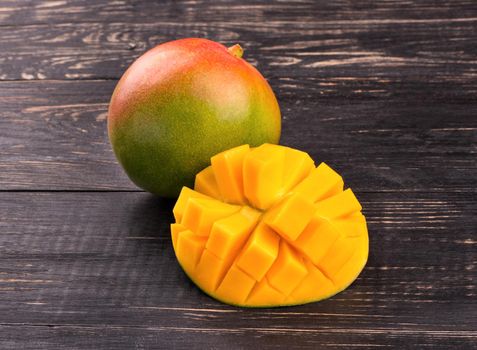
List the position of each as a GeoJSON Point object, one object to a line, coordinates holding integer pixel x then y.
{"type": "Point", "coordinates": [317, 238]}
{"type": "Point", "coordinates": [175, 230]}
{"type": "Point", "coordinates": [259, 253]}
{"type": "Point", "coordinates": [297, 207]}
{"type": "Point", "coordinates": [315, 283]}
{"type": "Point", "coordinates": [200, 214]}
{"type": "Point", "coordinates": [227, 167]}
{"type": "Point", "coordinates": [263, 293]}
{"type": "Point", "coordinates": [184, 196]}
{"type": "Point", "coordinates": [352, 225]}
{"type": "Point", "coordinates": [263, 171]}
{"type": "Point", "coordinates": [190, 247]}
{"type": "Point", "coordinates": [236, 285]}
{"type": "Point", "coordinates": [351, 269]}
{"type": "Point", "coordinates": [322, 183]}
{"type": "Point", "coordinates": [336, 257]}
{"type": "Point", "coordinates": [287, 271]}
{"type": "Point", "coordinates": [299, 165]}
{"type": "Point", "coordinates": [210, 270]}
{"type": "Point", "coordinates": [206, 183]}
{"type": "Point", "coordinates": [339, 205]}
{"type": "Point", "coordinates": [229, 234]}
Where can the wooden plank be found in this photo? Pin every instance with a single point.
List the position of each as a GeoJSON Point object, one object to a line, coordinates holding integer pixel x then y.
{"type": "Point", "coordinates": [153, 337]}
{"type": "Point", "coordinates": [384, 92]}
{"type": "Point", "coordinates": [53, 137]}
{"type": "Point", "coordinates": [374, 58]}
{"type": "Point", "coordinates": [75, 265]}
{"type": "Point", "coordinates": [17, 12]}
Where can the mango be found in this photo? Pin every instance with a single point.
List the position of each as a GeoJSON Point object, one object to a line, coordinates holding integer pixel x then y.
{"type": "Point", "coordinates": [183, 102]}
{"type": "Point", "coordinates": [264, 227]}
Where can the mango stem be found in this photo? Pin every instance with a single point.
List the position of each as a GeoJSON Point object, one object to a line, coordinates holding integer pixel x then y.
{"type": "Point", "coordinates": [236, 50]}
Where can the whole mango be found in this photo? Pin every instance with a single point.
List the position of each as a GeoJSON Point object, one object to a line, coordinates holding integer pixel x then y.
{"type": "Point", "coordinates": [183, 102]}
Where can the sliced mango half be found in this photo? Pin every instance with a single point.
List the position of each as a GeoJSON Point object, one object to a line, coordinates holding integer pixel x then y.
{"type": "Point", "coordinates": [264, 227]}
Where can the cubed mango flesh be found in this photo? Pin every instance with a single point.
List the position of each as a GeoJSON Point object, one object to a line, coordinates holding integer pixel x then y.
{"type": "Point", "coordinates": [206, 183]}
{"type": "Point", "coordinates": [263, 227]}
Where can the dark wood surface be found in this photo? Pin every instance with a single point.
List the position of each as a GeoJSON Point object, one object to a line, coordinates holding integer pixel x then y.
{"type": "Point", "coordinates": [385, 92]}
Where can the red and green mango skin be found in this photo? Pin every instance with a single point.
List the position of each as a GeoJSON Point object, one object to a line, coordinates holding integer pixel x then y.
{"type": "Point", "coordinates": [183, 102]}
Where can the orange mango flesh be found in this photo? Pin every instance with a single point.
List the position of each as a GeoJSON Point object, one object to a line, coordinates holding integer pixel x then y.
{"type": "Point", "coordinates": [263, 227]}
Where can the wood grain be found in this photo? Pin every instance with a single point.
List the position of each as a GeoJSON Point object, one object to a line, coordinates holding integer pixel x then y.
{"type": "Point", "coordinates": [53, 137]}
{"type": "Point", "coordinates": [382, 57]}
{"type": "Point", "coordinates": [82, 264]}
{"type": "Point", "coordinates": [385, 92]}
{"type": "Point", "coordinates": [18, 12]}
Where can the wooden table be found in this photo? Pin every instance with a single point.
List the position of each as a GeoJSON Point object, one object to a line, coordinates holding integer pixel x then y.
{"type": "Point", "coordinates": [385, 92]}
